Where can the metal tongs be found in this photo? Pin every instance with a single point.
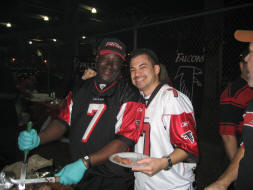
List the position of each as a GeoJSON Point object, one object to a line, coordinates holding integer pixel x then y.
{"type": "Point", "coordinates": [21, 186]}
{"type": "Point", "coordinates": [8, 182]}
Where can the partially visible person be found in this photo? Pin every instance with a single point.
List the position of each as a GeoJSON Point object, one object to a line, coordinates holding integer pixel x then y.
{"type": "Point", "coordinates": [233, 101]}
{"type": "Point", "coordinates": [102, 116]}
{"type": "Point", "coordinates": [9, 120]}
{"type": "Point", "coordinates": [240, 168]}
{"type": "Point", "coordinates": [88, 73]}
{"type": "Point", "coordinates": [164, 76]}
{"type": "Point", "coordinates": [168, 135]}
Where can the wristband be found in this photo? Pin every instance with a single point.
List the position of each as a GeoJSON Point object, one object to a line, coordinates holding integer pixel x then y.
{"type": "Point", "coordinates": [87, 160]}
{"type": "Point", "coordinates": [169, 163]}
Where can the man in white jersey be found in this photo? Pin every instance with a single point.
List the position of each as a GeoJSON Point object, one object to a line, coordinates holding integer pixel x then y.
{"type": "Point", "coordinates": [169, 133]}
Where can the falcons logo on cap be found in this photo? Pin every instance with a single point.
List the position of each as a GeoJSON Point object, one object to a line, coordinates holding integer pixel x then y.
{"type": "Point", "coordinates": [188, 135]}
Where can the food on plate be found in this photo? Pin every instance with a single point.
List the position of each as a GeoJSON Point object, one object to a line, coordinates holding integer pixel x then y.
{"type": "Point", "coordinates": [121, 160]}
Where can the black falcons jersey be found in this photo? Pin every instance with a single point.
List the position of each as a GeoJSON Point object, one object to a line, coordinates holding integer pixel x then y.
{"type": "Point", "coordinates": [98, 113]}
{"type": "Point", "coordinates": [245, 171]}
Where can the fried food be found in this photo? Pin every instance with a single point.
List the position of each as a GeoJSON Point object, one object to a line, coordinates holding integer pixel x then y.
{"type": "Point", "coordinates": [121, 160]}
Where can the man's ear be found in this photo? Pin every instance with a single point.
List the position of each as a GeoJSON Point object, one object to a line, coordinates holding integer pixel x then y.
{"type": "Point", "coordinates": [157, 69]}
{"type": "Point", "coordinates": [241, 66]}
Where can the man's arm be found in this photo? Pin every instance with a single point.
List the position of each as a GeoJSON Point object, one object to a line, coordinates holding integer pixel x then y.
{"type": "Point", "coordinates": [104, 153]}
{"type": "Point", "coordinates": [54, 131]}
{"type": "Point", "coordinates": [230, 174]}
{"type": "Point", "coordinates": [230, 144]}
{"type": "Point", "coordinates": [230, 118]}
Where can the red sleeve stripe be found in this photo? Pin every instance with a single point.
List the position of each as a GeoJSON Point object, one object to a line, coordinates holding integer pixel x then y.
{"type": "Point", "coordinates": [227, 130]}
{"type": "Point", "coordinates": [183, 132]}
{"type": "Point", "coordinates": [233, 103]}
{"type": "Point", "coordinates": [65, 112]}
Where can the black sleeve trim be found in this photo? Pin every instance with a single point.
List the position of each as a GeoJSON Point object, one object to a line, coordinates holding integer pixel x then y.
{"type": "Point", "coordinates": [125, 139]}
{"type": "Point", "coordinates": [191, 157]}
{"type": "Point", "coordinates": [63, 122]}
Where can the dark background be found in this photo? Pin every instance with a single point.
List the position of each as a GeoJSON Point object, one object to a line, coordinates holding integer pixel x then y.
{"type": "Point", "coordinates": [193, 39]}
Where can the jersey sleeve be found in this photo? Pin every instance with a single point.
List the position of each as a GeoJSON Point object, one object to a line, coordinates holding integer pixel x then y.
{"type": "Point", "coordinates": [231, 113]}
{"type": "Point", "coordinates": [65, 112]}
{"type": "Point", "coordinates": [130, 120]}
{"type": "Point", "coordinates": [181, 122]}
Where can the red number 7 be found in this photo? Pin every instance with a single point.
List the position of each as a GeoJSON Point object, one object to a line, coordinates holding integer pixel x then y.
{"type": "Point", "coordinates": [146, 130]}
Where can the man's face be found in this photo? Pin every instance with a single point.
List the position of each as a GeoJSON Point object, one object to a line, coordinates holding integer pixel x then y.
{"type": "Point", "coordinates": [109, 66]}
{"type": "Point", "coordinates": [143, 74]}
{"type": "Point", "coordinates": [249, 60]}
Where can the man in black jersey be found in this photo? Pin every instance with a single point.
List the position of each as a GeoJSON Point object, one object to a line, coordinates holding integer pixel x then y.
{"type": "Point", "coordinates": [102, 115]}
{"type": "Point", "coordinates": [240, 168]}
{"type": "Point", "coordinates": [233, 101]}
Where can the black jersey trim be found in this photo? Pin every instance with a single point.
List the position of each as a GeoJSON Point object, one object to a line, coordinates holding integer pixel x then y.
{"type": "Point", "coordinates": [233, 103]}
{"type": "Point", "coordinates": [154, 93]}
{"type": "Point", "coordinates": [107, 88]}
{"type": "Point", "coordinates": [192, 158]}
{"type": "Point", "coordinates": [63, 122]}
{"type": "Point", "coordinates": [128, 141]}
{"type": "Point", "coordinates": [228, 124]}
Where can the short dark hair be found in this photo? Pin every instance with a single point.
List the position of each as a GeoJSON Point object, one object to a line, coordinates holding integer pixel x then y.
{"type": "Point", "coordinates": [243, 54]}
{"type": "Point", "coordinates": [143, 51]}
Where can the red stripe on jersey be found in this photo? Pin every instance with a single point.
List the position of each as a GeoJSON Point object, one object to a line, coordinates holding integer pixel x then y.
{"type": "Point", "coordinates": [227, 129]}
{"type": "Point", "coordinates": [238, 98]}
{"type": "Point", "coordinates": [132, 121]}
{"type": "Point", "coordinates": [146, 132]}
{"type": "Point", "coordinates": [248, 119]}
{"type": "Point", "coordinates": [183, 132]}
{"type": "Point", "coordinates": [174, 92]}
{"type": "Point", "coordinates": [232, 103]}
{"type": "Point", "coordinates": [65, 112]}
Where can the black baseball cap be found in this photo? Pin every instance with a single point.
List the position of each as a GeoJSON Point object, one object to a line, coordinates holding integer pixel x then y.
{"type": "Point", "coordinates": [112, 45]}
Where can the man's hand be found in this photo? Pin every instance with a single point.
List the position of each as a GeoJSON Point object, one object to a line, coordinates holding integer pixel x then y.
{"type": "Point", "coordinates": [152, 166]}
{"type": "Point", "coordinates": [216, 186]}
{"type": "Point", "coordinates": [72, 173]}
{"type": "Point", "coordinates": [28, 140]}
{"type": "Point", "coordinates": [88, 73]}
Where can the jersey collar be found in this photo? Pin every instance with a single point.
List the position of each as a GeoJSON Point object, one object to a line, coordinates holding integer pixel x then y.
{"type": "Point", "coordinates": [147, 101]}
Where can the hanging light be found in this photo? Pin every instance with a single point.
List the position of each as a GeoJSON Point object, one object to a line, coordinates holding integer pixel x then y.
{"type": "Point", "coordinates": [8, 25]}
{"type": "Point", "coordinates": [46, 18]}
{"type": "Point", "coordinates": [94, 10]}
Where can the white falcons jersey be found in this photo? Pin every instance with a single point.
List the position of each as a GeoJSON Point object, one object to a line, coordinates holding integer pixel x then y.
{"type": "Point", "coordinates": [169, 123]}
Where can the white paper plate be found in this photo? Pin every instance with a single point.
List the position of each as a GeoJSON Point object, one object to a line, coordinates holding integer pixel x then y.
{"type": "Point", "coordinates": [133, 156]}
